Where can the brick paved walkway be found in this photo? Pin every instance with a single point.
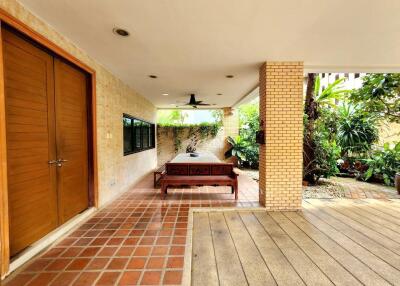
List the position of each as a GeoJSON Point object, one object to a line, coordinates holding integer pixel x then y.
{"type": "Point", "coordinates": [362, 190]}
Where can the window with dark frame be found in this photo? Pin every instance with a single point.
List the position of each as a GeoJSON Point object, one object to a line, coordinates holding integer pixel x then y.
{"type": "Point", "coordinates": [139, 135]}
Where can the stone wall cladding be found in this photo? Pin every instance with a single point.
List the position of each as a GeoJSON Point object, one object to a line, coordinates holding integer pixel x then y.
{"type": "Point", "coordinates": [116, 172]}
{"type": "Point", "coordinates": [281, 112]}
{"type": "Point", "coordinates": [166, 146]}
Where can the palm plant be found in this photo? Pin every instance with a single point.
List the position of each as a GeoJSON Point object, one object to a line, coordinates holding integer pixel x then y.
{"type": "Point", "coordinates": [334, 91]}
{"type": "Point", "coordinates": [356, 131]}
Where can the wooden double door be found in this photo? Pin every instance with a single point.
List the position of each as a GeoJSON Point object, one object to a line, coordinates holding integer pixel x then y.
{"type": "Point", "coordinates": [47, 140]}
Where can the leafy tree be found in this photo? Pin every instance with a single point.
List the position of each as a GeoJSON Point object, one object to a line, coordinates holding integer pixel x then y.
{"type": "Point", "coordinates": [379, 95]}
{"type": "Point", "coordinates": [175, 116]}
{"type": "Point", "coordinates": [315, 144]}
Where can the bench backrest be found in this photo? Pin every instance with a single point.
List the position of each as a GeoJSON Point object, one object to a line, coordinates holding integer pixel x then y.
{"type": "Point", "coordinates": [199, 169]}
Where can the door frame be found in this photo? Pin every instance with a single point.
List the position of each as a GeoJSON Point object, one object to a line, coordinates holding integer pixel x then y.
{"type": "Point", "coordinates": [21, 27]}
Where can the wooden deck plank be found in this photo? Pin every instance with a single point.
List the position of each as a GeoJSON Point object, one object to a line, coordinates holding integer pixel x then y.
{"type": "Point", "coordinates": [281, 269]}
{"type": "Point", "coordinates": [370, 213]}
{"type": "Point", "coordinates": [365, 274]}
{"type": "Point", "coordinates": [374, 247]}
{"type": "Point", "coordinates": [347, 211]}
{"type": "Point", "coordinates": [385, 270]}
{"type": "Point", "coordinates": [372, 234]}
{"type": "Point", "coordinates": [204, 268]}
{"type": "Point", "coordinates": [308, 271]}
{"type": "Point", "coordinates": [383, 212]}
{"type": "Point", "coordinates": [335, 271]}
{"type": "Point", "coordinates": [386, 207]}
{"type": "Point", "coordinates": [230, 270]}
{"type": "Point", "coordinates": [256, 270]}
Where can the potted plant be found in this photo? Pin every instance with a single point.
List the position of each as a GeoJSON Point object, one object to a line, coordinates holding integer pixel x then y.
{"type": "Point", "coordinates": [397, 182]}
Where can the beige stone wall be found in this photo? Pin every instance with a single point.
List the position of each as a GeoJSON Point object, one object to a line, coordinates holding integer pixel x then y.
{"type": "Point", "coordinates": [116, 172]}
{"type": "Point", "coordinates": [166, 147]}
{"type": "Point", "coordinates": [281, 113]}
{"type": "Point", "coordinates": [389, 132]}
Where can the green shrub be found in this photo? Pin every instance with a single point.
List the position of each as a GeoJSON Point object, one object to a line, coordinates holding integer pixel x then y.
{"type": "Point", "coordinates": [356, 131]}
{"type": "Point", "coordinates": [384, 163]}
{"type": "Point", "coordinates": [245, 152]}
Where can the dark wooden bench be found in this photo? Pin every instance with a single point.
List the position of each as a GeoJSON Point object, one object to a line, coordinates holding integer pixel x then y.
{"type": "Point", "coordinates": [199, 174]}
{"type": "Point", "coordinates": [158, 172]}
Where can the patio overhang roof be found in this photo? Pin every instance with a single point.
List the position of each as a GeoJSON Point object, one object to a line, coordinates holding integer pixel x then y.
{"type": "Point", "coordinates": [192, 45]}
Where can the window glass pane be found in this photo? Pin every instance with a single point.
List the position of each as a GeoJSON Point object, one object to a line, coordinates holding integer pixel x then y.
{"type": "Point", "coordinates": [137, 126]}
{"type": "Point", "coordinates": [145, 134]}
{"type": "Point", "coordinates": [127, 123]}
{"type": "Point", "coordinates": [150, 136]}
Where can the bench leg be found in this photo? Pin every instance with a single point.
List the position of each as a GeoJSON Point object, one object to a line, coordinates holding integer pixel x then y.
{"type": "Point", "coordinates": [155, 180]}
{"type": "Point", "coordinates": [232, 189]}
{"type": "Point", "coordinates": [236, 190]}
{"type": "Point", "coordinates": [163, 190]}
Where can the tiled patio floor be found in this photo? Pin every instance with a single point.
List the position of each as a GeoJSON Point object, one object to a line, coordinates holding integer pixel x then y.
{"type": "Point", "coordinates": [328, 242]}
{"type": "Point", "coordinates": [137, 239]}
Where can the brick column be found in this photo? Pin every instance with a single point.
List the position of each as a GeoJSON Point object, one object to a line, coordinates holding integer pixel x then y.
{"type": "Point", "coordinates": [230, 122]}
{"type": "Point", "coordinates": [281, 116]}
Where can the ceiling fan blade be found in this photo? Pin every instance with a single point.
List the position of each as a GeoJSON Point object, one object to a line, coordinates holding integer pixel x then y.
{"type": "Point", "coordinates": [203, 104]}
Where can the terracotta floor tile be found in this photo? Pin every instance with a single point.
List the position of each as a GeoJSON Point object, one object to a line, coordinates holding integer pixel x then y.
{"type": "Point", "coordinates": [142, 251]}
{"type": "Point", "coordinates": [179, 240]}
{"type": "Point", "coordinates": [53, 253]}
{"type": "Point", "coordinates": [177, 250]}
{"type": "Point", "coordinates": [147, 240]}
{"type": "Point", "coordinates": [159, 250]}
{"type": "Point", "coordinates": [42, 279]}
{"type": "Point", "coordinates": [172, 278]}
{"type": "Point", "coordinates": [131, 241]}
{"type": "Point", "coordinates": [151, 278]}
{"type": "Point", "coordinates": [98, 263]}
{"type": "Point", "coordinates": [137, 263]}
{"type": "Point", "coordinates": [136, 231]}
{"type": "Point", "coordinates": [107, 251]}
{"type": "Point", "coordinates": [108, 278]}
{"type": "Point", "coordinates": [129, 278]}
{"type": "Point", "coordinates": [83, 241]}
{"type": "Point", "coordinates": [175, 262]}
{"type": "Point", "coordinates": [117, 263]}
{"type": "Point", "coordinates": [125, 251]}
{"type": "Point", "coordinates": [78, 264]}
{"type": "Point", "coordinates": [155, 263]}
{"type": "Point", "coordinates": [64, 279]}
{"type": "Point", "coordinates": [72, 252]}
{"type": "Point", "coordinates": [115, 241]}
{"type": "Point", "coordinates": [20, 279]}
{"type": "Point", "coordinates": [163, 240]}
{"type": "Point", "coordinates": [89, 252]}
{"type": "Point", "coordinates": [38, 264]}
{"type": "Point", "coordinates": [58, 264]}
{"type": "Point", "coordinates": [86, 278]}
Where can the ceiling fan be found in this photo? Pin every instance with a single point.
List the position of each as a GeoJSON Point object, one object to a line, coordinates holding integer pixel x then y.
{"type": "Point", "coordinates": [195, 103]}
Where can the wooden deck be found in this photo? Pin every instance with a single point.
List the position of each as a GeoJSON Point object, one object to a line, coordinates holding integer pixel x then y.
{"type": "Point", "coordinates": [335, 242]}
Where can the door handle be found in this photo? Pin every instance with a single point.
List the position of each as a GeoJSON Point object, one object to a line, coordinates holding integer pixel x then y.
{"type": "Point", "coordinates": [52, 162]}
{"type": "Point", "coordinates": [60, 161]}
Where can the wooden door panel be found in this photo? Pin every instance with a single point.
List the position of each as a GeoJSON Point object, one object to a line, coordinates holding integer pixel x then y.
{"type": "Point", "coordinates": [71, 134]}
{"type": "Point", "coordinates": [30, 129]}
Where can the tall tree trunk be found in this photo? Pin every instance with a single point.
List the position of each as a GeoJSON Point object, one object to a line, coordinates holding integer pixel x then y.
{"type": "Point", "coordinates": [310, 109]}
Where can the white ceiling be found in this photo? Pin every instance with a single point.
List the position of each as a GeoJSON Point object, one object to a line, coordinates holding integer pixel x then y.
{"type": "Point", "coordinates": [192, 44]}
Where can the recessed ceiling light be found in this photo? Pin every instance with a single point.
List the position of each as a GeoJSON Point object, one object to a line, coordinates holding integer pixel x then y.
{"type": "Point", "coordinates": [152, 76]}
{"type": "Point", "coordinates": [229, 76]}
{"type": "Point", "coordinates": [219, 93]}
{"type": "Point", "coordinates": [121, 32]}
{"type": "Point", "coordinates": [165, 94]}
